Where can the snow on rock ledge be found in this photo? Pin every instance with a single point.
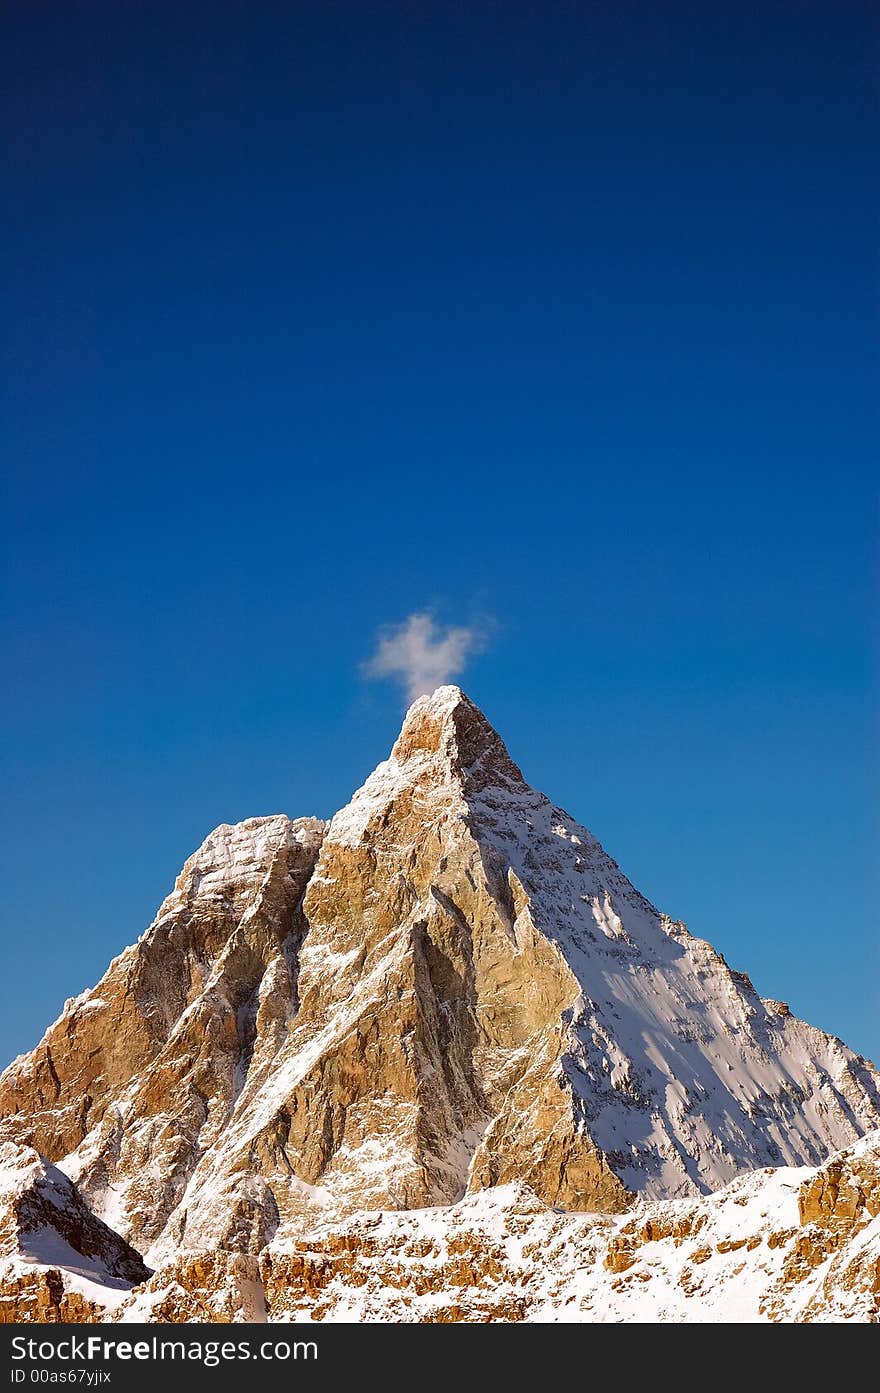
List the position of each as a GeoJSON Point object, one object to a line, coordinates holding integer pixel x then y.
{"type": "Point", "coordinates": [58, 1261]}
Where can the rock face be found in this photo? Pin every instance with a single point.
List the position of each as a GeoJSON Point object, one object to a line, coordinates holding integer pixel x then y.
{"type": "Point", "coordinates": [450, 987]}
{"type": "Point", "coordinates": [139, 1077]}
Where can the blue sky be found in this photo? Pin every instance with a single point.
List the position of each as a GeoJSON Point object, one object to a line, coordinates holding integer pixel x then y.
{"type": "Point", "coordinates": [560, 318]}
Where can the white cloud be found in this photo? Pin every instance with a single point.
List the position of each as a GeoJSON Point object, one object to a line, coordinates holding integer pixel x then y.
{"type": "Point", "coordinates": [423, 654]}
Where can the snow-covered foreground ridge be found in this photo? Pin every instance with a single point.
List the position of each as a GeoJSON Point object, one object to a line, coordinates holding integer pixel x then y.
{"type": "Point", "coordinates": [774, 1245]}
{"type": "Point", "coordinates": [449, 989]}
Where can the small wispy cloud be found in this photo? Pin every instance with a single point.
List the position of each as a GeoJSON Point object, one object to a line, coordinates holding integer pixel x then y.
{"type": "Point", "coordinates": [423, 654]}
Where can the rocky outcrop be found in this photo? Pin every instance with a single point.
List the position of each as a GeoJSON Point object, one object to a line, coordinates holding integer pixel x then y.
{"type": "Point", "coordinates": [449, 988]}
{"type": "Point", "coordinates": [58, 1261]}
{"type": "Point", "coordinates": [221, 1288]}
{"type": "Point", "coordinates": [41, 1297]}
{"type": "Point", "coordinates": [839, 1230]}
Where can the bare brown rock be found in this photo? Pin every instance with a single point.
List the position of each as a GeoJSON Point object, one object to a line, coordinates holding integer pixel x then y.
{"type": "Point", "coordinates": [42, 1297]}
{"type": "Point", "coordinates": [223, 1288]}
{"type": "Point", "coordinates": [846, 1191]}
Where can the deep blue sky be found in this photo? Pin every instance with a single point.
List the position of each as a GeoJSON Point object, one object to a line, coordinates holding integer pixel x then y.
{"type": "Point", "coordinates": [563, 314]}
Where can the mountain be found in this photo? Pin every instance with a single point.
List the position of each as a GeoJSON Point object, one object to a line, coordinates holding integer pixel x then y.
{"type": "Point", "coordinates": [449, 987]}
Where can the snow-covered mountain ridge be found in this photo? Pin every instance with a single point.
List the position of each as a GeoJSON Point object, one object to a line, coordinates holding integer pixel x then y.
{"type": "Point", "coordinates": [775, 1245]}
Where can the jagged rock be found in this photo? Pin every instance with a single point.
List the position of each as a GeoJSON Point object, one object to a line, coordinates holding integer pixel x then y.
{"type": "Point", "coordinates": [58, 1261]}
{"type": "Point", "coordinates": [42, 1297]}
{"type": "Point", "coordinates": [140, 1075]}
{"type": "Point", "coordinates": [845, 1190]}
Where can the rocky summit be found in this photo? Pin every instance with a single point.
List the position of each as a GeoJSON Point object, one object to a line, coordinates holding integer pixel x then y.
{"type": "Point", "coordinates": [448, 989]}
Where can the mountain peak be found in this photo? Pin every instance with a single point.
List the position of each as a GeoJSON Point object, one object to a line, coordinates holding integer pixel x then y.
{"type": "Point", "coordinates": [446, 749]}
{"type": "Point", "coordinates": [446, 722]}
{"type": "Point", "coordinates": [442, 698]}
